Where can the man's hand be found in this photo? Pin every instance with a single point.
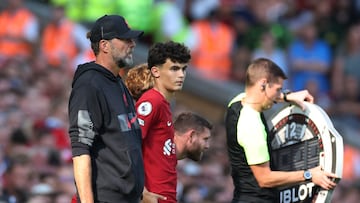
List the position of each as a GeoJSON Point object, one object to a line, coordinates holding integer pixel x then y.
{"type": "Point", "coordinates": [322, 178]}
{"type": "Point", "coordinates": [149, 197]}
{"type": "Point", "coordinates": [299, 97]}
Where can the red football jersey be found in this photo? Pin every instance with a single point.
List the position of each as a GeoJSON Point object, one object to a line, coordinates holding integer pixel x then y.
{"type": "Point", "coordinates": [158, 145]}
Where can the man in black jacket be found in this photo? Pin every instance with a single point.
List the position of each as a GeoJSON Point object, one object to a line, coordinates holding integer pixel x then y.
{"type": "Point", "coordinates": [105, 135]}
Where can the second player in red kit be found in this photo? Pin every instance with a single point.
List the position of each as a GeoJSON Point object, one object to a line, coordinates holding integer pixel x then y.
{"type": "Point", "coordinates": [167, 63]}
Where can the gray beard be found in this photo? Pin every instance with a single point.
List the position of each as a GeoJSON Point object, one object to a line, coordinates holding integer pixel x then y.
{"type": "Point", "coordinates": [124, 62]}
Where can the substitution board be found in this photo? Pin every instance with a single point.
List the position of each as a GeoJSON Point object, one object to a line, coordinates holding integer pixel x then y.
{"type": "Point", "coordinates": [302, 140]}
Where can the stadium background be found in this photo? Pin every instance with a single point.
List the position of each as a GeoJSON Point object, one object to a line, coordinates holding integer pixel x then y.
{"type": "Point", "coordinates": [34, 92]}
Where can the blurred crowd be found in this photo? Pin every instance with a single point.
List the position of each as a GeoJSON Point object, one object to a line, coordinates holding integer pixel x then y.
{"type": "Point", "coordinates": [316, 42]}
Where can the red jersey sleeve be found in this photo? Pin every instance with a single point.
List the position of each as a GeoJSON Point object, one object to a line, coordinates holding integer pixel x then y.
{"type": "Point", "coordinates": [147, 113]}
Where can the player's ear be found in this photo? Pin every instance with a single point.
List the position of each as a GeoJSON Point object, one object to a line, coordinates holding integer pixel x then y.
{"type": "Point", "coordinates": [104, 45]}
{"type": "Point", "coordinates": [263, 86]}
{"type": "Point", "coordinates": [155, 71]}
{"type": "Point", "coordinates": [263, 83]}
{"type": "Point", "coordinates": [191, 135]}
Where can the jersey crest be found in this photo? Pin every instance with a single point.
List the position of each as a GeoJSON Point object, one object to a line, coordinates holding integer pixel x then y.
{"type": "Point", "coordinates": [144, 108]}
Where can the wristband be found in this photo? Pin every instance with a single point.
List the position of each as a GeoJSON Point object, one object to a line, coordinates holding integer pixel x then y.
{"type": "Point", "coordinates": [285, 93]}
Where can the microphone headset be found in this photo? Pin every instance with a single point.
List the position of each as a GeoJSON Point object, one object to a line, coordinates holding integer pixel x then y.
{"type": "Point", "coordinates": [263, 88]}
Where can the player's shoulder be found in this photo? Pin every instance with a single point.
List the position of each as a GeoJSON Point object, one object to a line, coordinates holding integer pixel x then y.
{"type": "Point", "coordinates": [236, 100]}
{"type": "Point", "coordinates": [148, 102]}
{"type": "Point", "coordinates": [151, 96]}
{"type": "Point", "coordinates": [144, 108]}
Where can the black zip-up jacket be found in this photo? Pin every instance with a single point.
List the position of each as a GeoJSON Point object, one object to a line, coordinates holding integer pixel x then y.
{"type": "Point", "coordinates": [103, 124]}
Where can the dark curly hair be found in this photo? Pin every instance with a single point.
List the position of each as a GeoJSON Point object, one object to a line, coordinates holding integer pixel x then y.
{"type": "Point", "coordinates": [176, 52]}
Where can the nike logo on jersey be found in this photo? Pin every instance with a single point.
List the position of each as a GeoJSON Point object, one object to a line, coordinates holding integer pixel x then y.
{"type": "Point", "coordinates": [168, 123]}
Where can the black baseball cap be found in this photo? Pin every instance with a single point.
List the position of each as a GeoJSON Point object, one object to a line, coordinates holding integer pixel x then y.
{"type": "Point", "coordinates": [112, 26]}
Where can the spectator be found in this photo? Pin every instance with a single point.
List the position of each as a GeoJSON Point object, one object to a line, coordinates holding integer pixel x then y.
{"type": "Point", "coordinates": [87, 11]}
{"type": "Point", "coordinates": [41, 193]}
{"type": "Point", "coordinates": [270, 50]}
{"type": "Point", "coordinates": [211, 56]}
{"type": "Point", "coordinates": [131, 10]}
{"type": "Point", "coordinates": [345, 111]}
{"type": "Point", "coordinates": [346, 84]}
{"type": "Point", "coordinates": [17, 179]}
{"type": "Point", "coordinates": [65, 180]}
{"type": "Point", "coordinates": [242, 22]}
{"type": "Point", "coordinates": [241, 60]}
{"type": "Point", "coordinates": [62, 41]}
{"type": "Point", "coordinates": [199, 9]}
{"type": "Point", "coordinates": [265, 17]}
{"type": "Point", "coordinates": [346, 61]}
{"type": "Point", "coordinates": [322, 99]}
{"type": "Point", "coordinates": [351, 169]}
{"type": "Point", "coordinates": [171, 24]}
{"type": "Point", "coordinates": [19, 31]}
{"type": "Point", "coordinates": [309, 59]}
{"type": "Point", "coordinates": [332, 18]}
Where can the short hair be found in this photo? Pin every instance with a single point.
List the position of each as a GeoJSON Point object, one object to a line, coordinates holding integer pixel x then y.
{"type": "Point", "coordinates": [138, 80]}
{"type": "Point", "coordinates": [94, 45]}
{"type": "Point", "coordinates": [188, 120]}
{"type": "Point", "coordinates": [263, 68]}
{"type": "Point", "coordinates": [160, 51]}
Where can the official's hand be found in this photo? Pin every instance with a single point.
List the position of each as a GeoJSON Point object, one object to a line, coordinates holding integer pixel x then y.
{"type": "Point", "coordinates": [322, 178]}
{"type": "Point", "coordinates": [150, 197]}
{"type": "Point", "coordinates": [299, 97]}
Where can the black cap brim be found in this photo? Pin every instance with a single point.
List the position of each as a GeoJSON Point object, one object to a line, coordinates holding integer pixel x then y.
{"type": "Point", "coordinates": [131, 34]}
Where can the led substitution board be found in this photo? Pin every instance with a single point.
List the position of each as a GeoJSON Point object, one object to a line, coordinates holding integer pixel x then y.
{"type": "Point", "coordinates": [302, 140]}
